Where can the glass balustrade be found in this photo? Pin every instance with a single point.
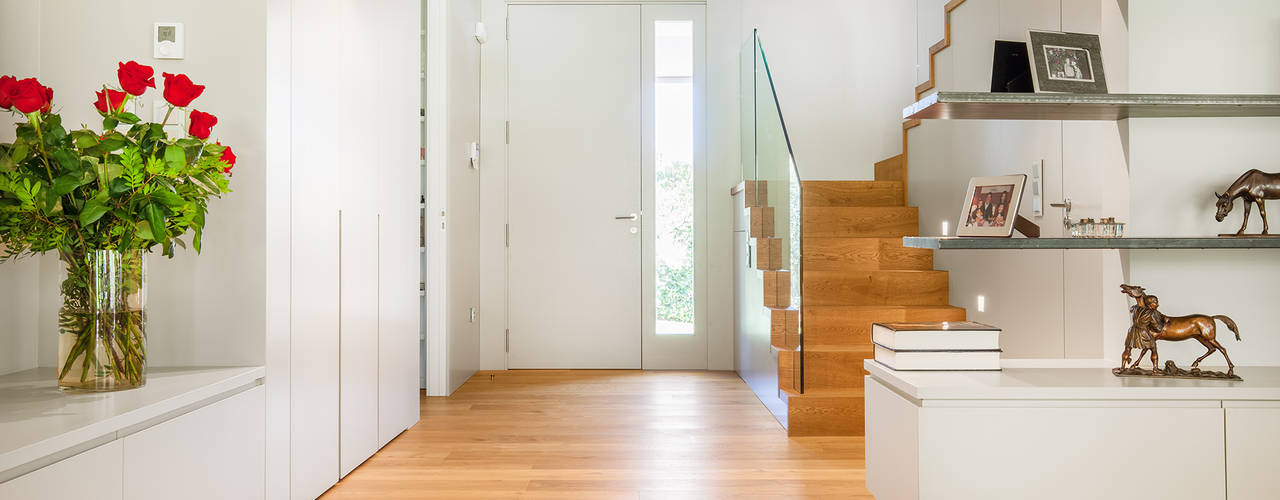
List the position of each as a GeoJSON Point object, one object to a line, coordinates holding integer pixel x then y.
{"type": "Point", "coordinates": [769, 169]}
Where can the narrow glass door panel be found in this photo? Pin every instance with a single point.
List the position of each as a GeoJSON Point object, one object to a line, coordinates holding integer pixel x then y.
{"type": "Point", "coordinates": [674, 177]}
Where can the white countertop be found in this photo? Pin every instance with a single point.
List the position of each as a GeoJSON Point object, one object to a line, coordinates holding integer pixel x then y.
{"type": "Point", "coordinates": [1261, 383]}
{"type": "Point", "coordinates": [37, 420]}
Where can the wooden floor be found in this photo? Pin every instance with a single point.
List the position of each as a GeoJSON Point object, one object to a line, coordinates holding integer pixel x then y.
{"type": "Point", "coordinates": [605, 434]}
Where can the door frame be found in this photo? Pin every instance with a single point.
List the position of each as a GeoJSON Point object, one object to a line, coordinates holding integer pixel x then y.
{"type": "Point", "coordinates": [494, 297]}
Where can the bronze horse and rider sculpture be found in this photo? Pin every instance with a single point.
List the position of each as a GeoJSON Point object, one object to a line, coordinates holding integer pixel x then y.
{"type": "Point", "coordinates": [1150, 325]}
{"type": "Point", "coordinates": [1254, 187]}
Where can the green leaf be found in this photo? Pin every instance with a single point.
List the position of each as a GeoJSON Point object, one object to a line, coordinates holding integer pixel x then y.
{"type": "Point", "coordinates": [110, 123]}
{"type": "Point", "coordinates": [187, 142]}
{"type": "Point", "coordinates": [143, 230]}
{"type": "Point", "coordinates": [19, 152]}
{"type": "Point", "coordinates": [118, 187]}
{"type": "Point", "coordinates": [93, 210]}
{"type": "Point", "coordinates": [85, 139]}
{"type": "Point", "coordinates": [67, 159]}
{"type": "Point", "coordinates": [175, 157]}
{"type": "Point", "coordinates": [129, 118]}
{"type": "Point", "coordinates": [168, 198]}
{"type": "Point", "coordinates": [155, 217]}
{"type": "Point", "coordinates": [111, 171]}
{"type": "Point", "coordinates": [66, 184]}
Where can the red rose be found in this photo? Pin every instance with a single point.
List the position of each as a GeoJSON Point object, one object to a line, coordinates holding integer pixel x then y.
{"type": "Point", "coordinates": [179, 90]}
{"type": "Point", "coordinates": [29, 96]}
{"type": "Point", "coordinates": [135, 78]}
{"type": "Point", "coordinates": [201, 124]}
{"type": "Point", "coordinates": [115, 97]}
{"type": "Point", "coordinates": [229, 158]}
{"type": "Point", "coordinates": [48, 100]}
{"type": "Point", "coordinates": [6, 85]}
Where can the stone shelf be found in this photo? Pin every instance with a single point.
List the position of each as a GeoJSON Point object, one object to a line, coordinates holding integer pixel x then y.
{"type": "Point", "coordinates": [1012, 106]}
{"type": "Point", "coordinates": [957, 243]}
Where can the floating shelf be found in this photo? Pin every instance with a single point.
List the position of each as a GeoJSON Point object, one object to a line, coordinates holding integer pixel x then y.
{"type": "Point", "coordinates": [1011, 106]}
{"type": "Point", "coordinates": [956, 243]}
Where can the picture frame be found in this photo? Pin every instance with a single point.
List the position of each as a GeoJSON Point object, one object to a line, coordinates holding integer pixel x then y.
{"type": "Point", "coordinates": [991, 206]}
{"type": "Point", "coordinates": [1066, 62]}
{"type": "Point", "coordinates": [1011, 68]}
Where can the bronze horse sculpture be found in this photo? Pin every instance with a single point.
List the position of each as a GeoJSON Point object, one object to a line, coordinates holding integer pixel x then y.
{"type": "Point", "coordinates": [1255, 186]}
{"type": "Point", "coordinates": [1147, 318]}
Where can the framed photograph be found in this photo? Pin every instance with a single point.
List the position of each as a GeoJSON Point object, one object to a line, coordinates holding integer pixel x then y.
{"type": "Point", "coordinates": [991, 205]}
{"type": "Point", "coordinates": [1066, 62]}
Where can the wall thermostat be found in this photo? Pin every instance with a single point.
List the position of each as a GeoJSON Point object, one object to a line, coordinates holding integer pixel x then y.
{"type": "Point", "coordinates": [168, 41]}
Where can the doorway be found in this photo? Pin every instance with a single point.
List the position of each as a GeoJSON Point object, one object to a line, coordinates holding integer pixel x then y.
{"type": "Point", "coordinates": [605, 173]}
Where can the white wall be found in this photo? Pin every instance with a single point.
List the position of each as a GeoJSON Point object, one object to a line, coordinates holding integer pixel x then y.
{"type": "Point", "coordinates": [224, 52]}
{"type": "Point", "coordinates": [842, 69]}
{"type": "Point", "coordinates": [1050, 303]}
{"type": "Point", "coordinates": [1177, 165]}
{"type": "Point", "coordinates": [453, 224]}
{"type": "Point", "coordinates": [463, 218]}
{"type": "Point", "coordinates": [19, 280]}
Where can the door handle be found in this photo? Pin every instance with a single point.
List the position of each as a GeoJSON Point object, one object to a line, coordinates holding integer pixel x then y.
{"type": "Point", "coordinates": [627, 217]}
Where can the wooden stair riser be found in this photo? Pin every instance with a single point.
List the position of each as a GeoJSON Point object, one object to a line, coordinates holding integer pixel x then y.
{"type": "Point", "coordinates": [867, 222]}
{"type": "Point", "coordinates": [755, 193]}
{"type": "Point", "coordinates": [892, 169]}
{"type": "Point", "coordinates": [769, 254]}
{"type": "Point", "coordinates": [863, 254]}
{"type": "Point", "coordinates": [875, 288]}
{"type": "Point", "coordinates": [761, 223]}
{"type": "Point", "coordinates": [851, 325]}
{"type": "Point", "coordinates": [784, 328]}
{"type": "Point", "coordinates": [852, 194]}
{"type": "Point", "coordinates": [789, 371]}
{"type": "Point", "coordinates": [815, 415]}
{"type": "Point", "coordinates": [838, 369]}
{"type": "Point", "coordinates": [777, 289]}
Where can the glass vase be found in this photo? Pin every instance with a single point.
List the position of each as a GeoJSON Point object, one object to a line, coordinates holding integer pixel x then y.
{"type": "Point", "coordinates": [102, 324]}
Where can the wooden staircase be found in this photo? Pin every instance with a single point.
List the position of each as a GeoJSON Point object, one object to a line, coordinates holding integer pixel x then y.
{"type": "Point", "coordinates": [855, 272]}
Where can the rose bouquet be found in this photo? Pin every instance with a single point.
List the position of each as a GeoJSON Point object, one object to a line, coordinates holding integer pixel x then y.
{"type": "Point", "coordinates": [101, 200]}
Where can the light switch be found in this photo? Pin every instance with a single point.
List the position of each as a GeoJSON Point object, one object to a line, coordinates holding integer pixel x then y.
{"type": "Point", "coordinates": [169, 41]}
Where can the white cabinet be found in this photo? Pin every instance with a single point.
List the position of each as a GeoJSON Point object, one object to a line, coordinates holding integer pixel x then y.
{"type": "Point", "coordinates": [354, 194]}
{"type": "Point", "coordinates": [212, 453]}
{"type": "Point", "coordinates": [358, 431]}
{"type": "Point", "coordinates": [1253, 450]}
{"type": "Point", "coordinates": [196, 433]}
{"type": "Point", "coordinates": [1067, 433]}
{"type": "Point", "coordinates": [94, 474]}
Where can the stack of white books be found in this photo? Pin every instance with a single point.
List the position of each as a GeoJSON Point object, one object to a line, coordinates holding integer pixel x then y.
{"type": "Point", "coordinates": [955, 345]}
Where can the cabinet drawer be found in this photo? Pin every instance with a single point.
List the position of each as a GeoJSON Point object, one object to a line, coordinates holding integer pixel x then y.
{"type": "Point", "coordinates": [215, 452]}
{"type": "Point", "coordinates": [1253, 450]}
{"type": "Point", "coordinates": [92, 474]}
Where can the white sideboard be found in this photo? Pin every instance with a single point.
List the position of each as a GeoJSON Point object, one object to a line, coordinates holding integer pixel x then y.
{"type": "Point", "coordinates": [195, 433]}
{"type": "Point", "coordinates": [1069, 433]}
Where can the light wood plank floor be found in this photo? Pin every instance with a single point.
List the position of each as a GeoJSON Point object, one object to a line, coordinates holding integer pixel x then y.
{"type": "Point", "coordinates": [605, 434]}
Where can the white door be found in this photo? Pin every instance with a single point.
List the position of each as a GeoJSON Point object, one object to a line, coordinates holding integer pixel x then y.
{"type": "Point", "coordinates": [574, 160]}
{"type": "Point", "coordinates": [606, 130]}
